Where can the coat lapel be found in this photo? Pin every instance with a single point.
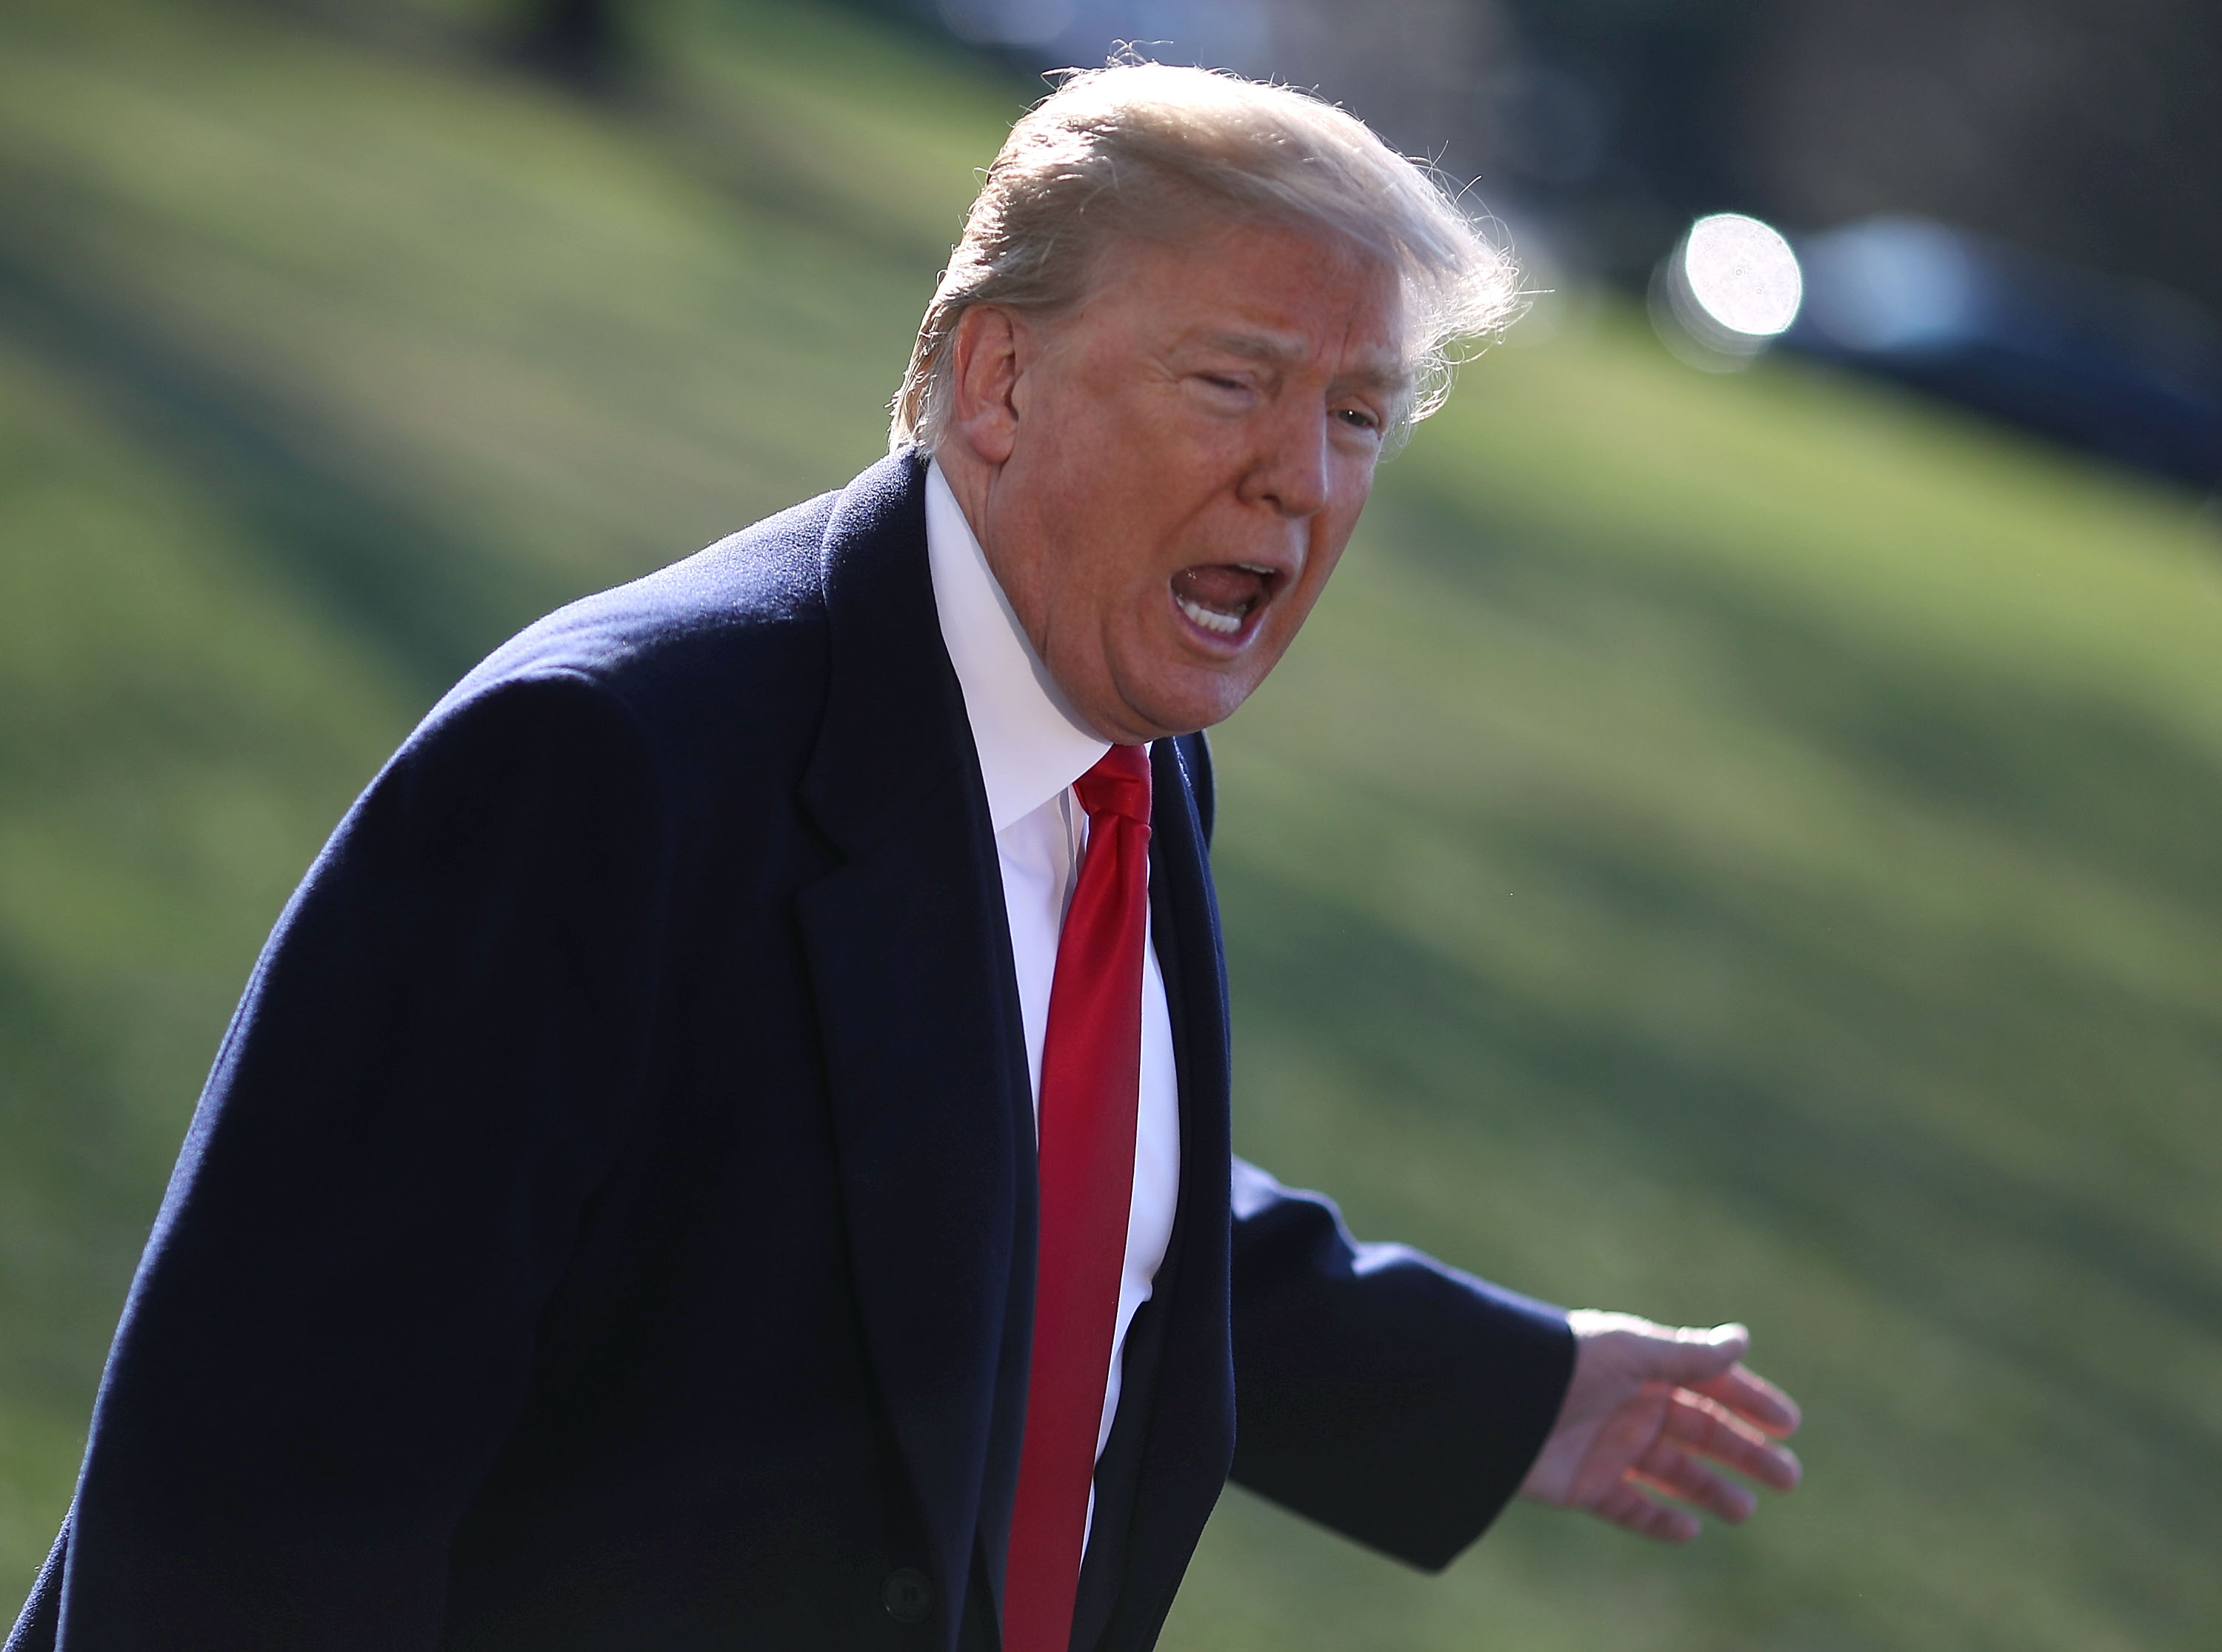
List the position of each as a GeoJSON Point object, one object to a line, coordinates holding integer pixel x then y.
{"type": "Point", "coordinates": [910, 956]}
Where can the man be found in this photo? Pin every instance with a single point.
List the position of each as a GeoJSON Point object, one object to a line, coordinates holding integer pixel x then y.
{"type": "Point", "coordinates": [729, 1145]}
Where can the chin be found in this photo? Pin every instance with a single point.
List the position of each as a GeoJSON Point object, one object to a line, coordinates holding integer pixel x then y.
{"type": "Point", "coordinates": [1183, 713]}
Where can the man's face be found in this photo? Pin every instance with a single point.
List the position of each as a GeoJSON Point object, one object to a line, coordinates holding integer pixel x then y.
{"type": "Point", "coordinates": [1187, 453]}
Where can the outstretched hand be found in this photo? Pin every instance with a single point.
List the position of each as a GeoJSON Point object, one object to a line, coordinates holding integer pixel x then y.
{"type": "Point", "coordinates": [1647, 1407]}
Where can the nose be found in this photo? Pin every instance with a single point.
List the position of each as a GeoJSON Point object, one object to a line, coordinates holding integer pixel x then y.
{"type": "Point", "coordinates": [1290, 473]}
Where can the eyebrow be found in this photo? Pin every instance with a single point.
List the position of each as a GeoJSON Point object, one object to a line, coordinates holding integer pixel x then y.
{"type": "Point", "coordinates": [1257, 347]}
{"type": "Point", "coordinates": [1282, 350]}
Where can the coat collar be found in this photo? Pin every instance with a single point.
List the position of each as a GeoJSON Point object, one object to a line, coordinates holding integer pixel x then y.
{"type": "Point", "coordinates": [1031, 743]}
{"type": "Point", "coordinates": [894, 727]}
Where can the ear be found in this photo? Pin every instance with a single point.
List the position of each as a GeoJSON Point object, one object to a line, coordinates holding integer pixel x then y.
{"type": "Point", "coordinates": [987, 357]}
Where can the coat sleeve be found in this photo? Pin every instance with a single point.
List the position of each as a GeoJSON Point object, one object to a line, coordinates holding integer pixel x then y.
{"type": "Point", "coordinates": [1378, 1391]}
{"type": "Point", "coordinates": [332, 1328]}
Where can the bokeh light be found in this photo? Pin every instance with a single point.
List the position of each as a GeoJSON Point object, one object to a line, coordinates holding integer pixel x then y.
{"type": "Point", "coordinates": [1743, 273]}
{"type": "Point", "coordinates": [1729, 290]}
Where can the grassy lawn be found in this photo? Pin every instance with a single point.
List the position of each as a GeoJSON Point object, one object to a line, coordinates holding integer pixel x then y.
{"type": "Point", "coordinates": [1744, 847]}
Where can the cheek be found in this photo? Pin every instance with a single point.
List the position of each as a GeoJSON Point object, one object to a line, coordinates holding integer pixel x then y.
{"type": "Point", "coordinates": [1325, 556]}
{"type": "Point", "coordinates": [1291, 613]}
{"type": "Point", "coordinates": [1356, 488]}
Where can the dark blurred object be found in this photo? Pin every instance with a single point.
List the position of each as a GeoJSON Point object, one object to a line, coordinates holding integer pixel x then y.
{"type": "Point", "coordinates": [2121, 368]}
{"type": "Point", "coordinates": [2089, 131]}
{"type": "Point", "coordinates": [1661, 80]}
{"type": "Point", "coordinates": [582, 43]}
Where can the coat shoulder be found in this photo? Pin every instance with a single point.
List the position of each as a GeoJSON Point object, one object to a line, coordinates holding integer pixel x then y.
{"type": "Point", "coordinates": [719, 659]}
{"type": "Point", "coordinates": [738, 618]}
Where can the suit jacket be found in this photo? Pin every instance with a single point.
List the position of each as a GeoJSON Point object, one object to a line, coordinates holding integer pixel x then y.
{"type": "Point", "coordinates": [610, 1220]}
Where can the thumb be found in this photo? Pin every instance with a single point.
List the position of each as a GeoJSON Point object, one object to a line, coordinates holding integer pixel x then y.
{"type": "Point", "coordinates": [1688, 1356]}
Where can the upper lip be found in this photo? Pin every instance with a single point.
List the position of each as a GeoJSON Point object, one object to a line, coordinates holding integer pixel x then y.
{"type": "Point", "coordinates": [1276, 574]}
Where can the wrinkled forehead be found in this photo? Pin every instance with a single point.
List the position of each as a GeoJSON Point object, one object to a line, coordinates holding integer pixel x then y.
{"type": "Point", "coordinates": [1228, 290]}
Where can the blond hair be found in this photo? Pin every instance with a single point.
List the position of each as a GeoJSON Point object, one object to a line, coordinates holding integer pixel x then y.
{"type": "Point", "coordinates": [1137, 149]}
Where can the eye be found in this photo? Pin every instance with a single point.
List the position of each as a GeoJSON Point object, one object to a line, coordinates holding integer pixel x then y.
{"type": "Point", "coordinates": [1358, 418]}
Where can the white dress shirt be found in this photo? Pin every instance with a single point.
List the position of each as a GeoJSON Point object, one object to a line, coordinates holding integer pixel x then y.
{"type": "Point", "coordinates": [1031, 750]}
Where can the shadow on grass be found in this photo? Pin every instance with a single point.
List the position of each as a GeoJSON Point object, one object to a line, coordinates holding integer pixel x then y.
{"type": "Point", "coordinates": [705, 131]}
{"type": "Point", "coordinates": [383, 568]}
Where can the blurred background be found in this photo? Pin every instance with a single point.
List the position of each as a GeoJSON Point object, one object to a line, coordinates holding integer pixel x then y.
{"type": "Point", "coordinates": [1768, 734]}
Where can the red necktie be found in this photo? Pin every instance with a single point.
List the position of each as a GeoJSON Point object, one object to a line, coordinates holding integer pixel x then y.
{"type": "Point", "coordinates": [1091, 1072]}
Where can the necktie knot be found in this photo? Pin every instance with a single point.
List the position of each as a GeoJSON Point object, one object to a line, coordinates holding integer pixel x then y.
{"type": "Point", "coordinates": [1118, 785]}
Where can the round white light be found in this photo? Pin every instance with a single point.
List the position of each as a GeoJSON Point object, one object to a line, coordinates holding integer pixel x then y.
{"type": "Point", "coordinates": [1742, 275]}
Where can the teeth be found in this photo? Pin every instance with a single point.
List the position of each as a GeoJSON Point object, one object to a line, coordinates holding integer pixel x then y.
{"type": "Point", "coordinates": [1254, 568]}
{"type": "Point", "coordinates": [1210, 618]}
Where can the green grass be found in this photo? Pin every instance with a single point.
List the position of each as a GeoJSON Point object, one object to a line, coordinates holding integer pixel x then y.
{"type": "Point", "coordinates": [1743, 847]}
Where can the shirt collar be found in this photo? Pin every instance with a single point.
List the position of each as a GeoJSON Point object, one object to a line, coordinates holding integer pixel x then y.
{"type": "Point", "coordinates": [1031, 744]}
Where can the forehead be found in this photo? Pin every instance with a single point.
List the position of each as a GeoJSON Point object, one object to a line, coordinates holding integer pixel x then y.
{"type": "Point", "coordinates": [1263, 291]}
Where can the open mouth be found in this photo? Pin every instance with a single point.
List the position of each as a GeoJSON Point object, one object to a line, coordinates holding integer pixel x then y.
{"type": "Point", "coordinates": [1220, 598]}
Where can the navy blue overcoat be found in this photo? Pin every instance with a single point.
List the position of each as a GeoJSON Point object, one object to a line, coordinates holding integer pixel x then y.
{"type": "Point", "coordinates": [609, 1223]}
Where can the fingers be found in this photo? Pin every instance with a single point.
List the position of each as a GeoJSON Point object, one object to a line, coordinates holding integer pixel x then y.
{"type": "Point", "coordinates": [1624, 1505]}
{"type": "Point", "coordinates": [1668, 1468]}
{"type": "Point", "coordinates": [1752, 1396]}
{"type": "Point", "coordinates": [1680, 1475]}
{"type": "Point", "coordinates": [1694, 1428]}
{"type": "Point", "coordinates": [1704, 1425]}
